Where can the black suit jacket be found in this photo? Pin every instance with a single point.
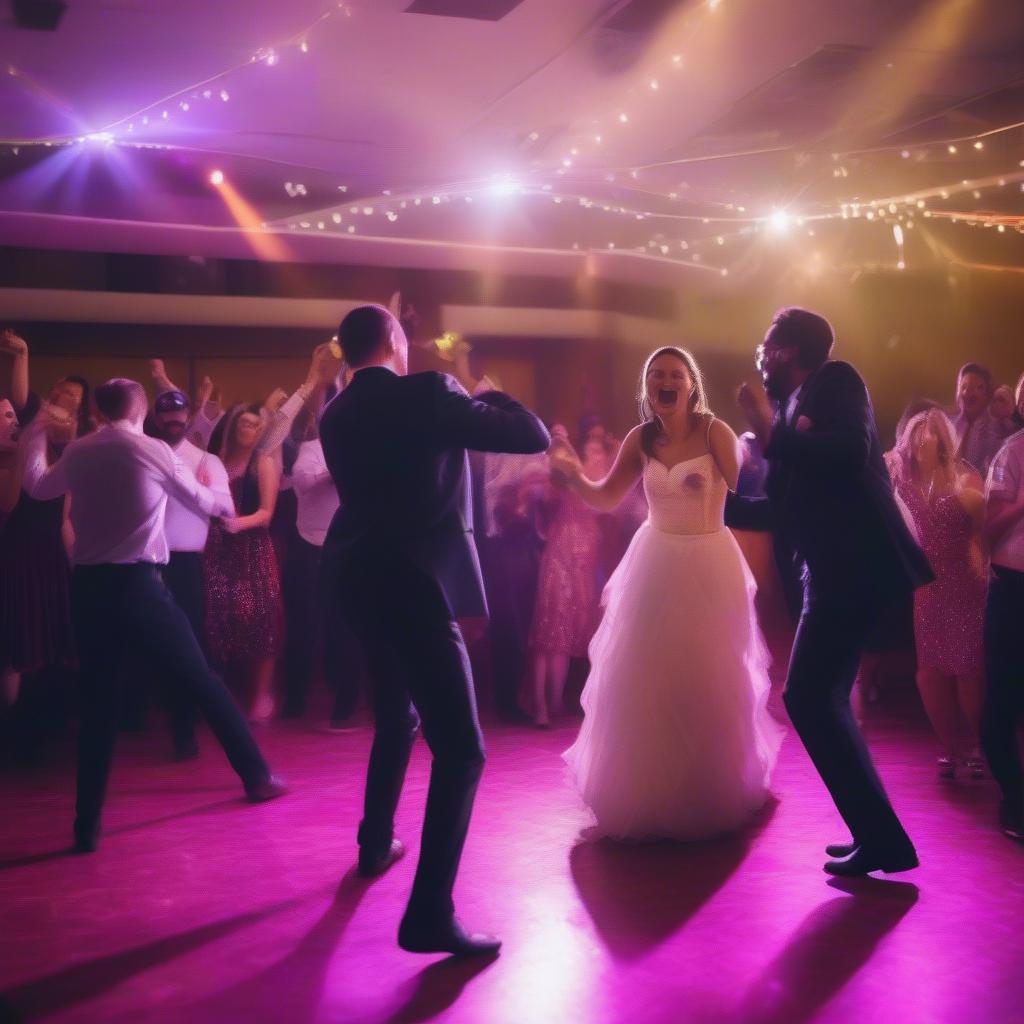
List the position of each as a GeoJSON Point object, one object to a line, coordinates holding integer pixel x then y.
{"type": "Point", "coordinates": [396, 448]}
{"type": "Point", "coordinates": [829, 495]}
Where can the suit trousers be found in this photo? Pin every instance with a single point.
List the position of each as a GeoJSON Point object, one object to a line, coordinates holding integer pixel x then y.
{"type": "Point", "coordinates": [117, 606]}
{"type": "Point", "coordinates": [1004, 670]}
{"type": "Point", "coordinates": [418, 671]}
{"type": "Point", "coordinates": [834, 627]}
{"type": "Point", "coordinates": [315, 625]}
{"type": "Point", "coordinates": [183, 576]}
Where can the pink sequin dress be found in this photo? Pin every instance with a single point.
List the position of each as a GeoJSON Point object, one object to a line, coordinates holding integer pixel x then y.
{"type": "Point", "coordinates": [567, 611]}
{"type": "Point", "coordinates": [949, 613]}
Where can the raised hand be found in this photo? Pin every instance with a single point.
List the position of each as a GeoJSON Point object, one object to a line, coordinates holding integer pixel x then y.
{"type": "Point", "coordinates": [13, 343]}
{"type": "Point", "coordinates": [275, 400]}
{"type": "Point", "coordinates": [754, 403]}
{"type": "Point", "coordinates": [205, 392]}
{"type": "Point", "coordinates": [157, 370]}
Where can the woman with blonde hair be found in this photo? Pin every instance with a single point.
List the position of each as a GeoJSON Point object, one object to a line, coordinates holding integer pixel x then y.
{"type": "Point", "coordinates": [943, 498]}
{"type": "Point", "coordinates": [677, 741]}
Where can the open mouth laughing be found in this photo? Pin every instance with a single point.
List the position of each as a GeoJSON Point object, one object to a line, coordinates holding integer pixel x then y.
{"type": "Point", "coordinates": [667, 396]}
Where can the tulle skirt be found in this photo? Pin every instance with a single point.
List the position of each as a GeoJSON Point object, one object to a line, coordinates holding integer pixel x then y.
{"type": "Point", "coordinates": [677, 741]}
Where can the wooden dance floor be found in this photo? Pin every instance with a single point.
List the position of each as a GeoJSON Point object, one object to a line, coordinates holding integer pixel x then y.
{"type": "Point", "coordinates": [201, 908]}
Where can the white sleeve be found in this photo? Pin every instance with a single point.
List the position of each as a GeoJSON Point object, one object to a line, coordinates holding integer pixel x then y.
{"type": "Point", "coordinates": [310, 469]}
{"type": "Point", "coordinates": [39, 480]}
{"type": "Point", "coordinates": [180, 481]}
{"type": "Point", "coordinates": [1003, 482]}
{"type": "Point", "coordinates": [220, 485]}
{"type": "Point", "coordinates": [281, 421]}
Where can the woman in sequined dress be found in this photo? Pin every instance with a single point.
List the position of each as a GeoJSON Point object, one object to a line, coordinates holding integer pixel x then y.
{"type": "Point", "coordinates": [943, 498]}
{"type": "Point", "coordinates": [567, 611]}
{"type": "Point", "coordinates": [243, 589]}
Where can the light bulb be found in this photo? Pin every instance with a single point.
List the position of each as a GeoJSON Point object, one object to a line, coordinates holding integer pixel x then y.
{"type": "Point", "coordinates": [216, 178]}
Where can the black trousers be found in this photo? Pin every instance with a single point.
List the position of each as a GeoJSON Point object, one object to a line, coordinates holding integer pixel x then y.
{"type": "Point", "coordinates": [418, 670]}
{"type": "Point", "coordinates": [830, 637]}
{"type": "Point", "coordinates": [511, 563]}
{"type": "Point", "coordinates": [183, 576]}
{"type": "Point", "coordinates": [115, 607]}
{"type": "Point", "coordinates": [316, 624]}
{"type": "Point", "coordinates": [1004, 670]}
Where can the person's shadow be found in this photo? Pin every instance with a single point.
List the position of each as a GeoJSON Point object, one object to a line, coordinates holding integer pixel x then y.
{"type": "Point", "coordinates": [90, 979]}
{"type": "Point", "coordinates": [828, 949]}
{"type": "Point", "coordinates": [437, 987]}
{"type": "Point", "coordinates": [640, 894]}
{"type": "Point", "coordinates": [298, 976]}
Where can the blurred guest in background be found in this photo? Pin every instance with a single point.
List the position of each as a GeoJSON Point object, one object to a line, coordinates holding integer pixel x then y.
{"type": "Point", "coordinates": [187, 529]}
{"type": "Point", "coordinates": [567, 611]}
{"type": "Point", "coordinates": [1004, 617]}
{"type": "Point", "coordinates": [243, 588]}
{"type": "Point", "coordinates": [979, 432]}
{"type": "Point", "coordinates": [947, 511]}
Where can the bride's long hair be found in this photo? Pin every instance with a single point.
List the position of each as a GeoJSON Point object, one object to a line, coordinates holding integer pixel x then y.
{"type": "Point", "coordinates": [652, 425]}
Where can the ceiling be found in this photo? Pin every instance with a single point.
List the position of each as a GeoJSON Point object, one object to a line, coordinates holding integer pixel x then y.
{"type": "Point", "coordinates": [679, 133]}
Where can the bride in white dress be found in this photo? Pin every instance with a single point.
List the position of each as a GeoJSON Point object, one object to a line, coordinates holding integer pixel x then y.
{"type": "Point", "coordinates": [677, 741]}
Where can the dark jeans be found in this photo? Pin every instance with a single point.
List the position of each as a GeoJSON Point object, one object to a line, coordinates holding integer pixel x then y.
{"type": "Point", "coordinates": [316, 624]}
{"type": "Point", "coordinates": [183, 576]}
{"type": "Point", "coordinates": [418, 670]}
{"type": "Point", "coordinates": [1004, 669]}
{"type": "Point", "coordinates": [115, 607]}
{"type": "Point", "coordinates": [830, 637]}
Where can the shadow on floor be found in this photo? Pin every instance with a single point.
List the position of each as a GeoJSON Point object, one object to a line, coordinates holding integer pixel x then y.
{"type": "Point", "coordinates": [831, 945]}
{"type": "Point", "coordinates": [640, 894]}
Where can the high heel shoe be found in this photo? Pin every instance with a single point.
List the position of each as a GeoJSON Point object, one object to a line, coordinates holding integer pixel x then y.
{"type": "Point", "coordinates": [946, 767]}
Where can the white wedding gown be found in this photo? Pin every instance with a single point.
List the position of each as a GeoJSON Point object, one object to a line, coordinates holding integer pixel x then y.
{"type": "Point", "coordinates": [677, 741]}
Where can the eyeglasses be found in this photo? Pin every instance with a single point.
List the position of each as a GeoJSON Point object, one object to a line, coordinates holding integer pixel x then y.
{"type": "Point", "coordinates": [763, 356]}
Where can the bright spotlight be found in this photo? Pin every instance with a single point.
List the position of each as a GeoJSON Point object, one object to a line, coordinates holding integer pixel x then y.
{"type": "Point", "coordinates": [217, 178]}
{"type": "Point", "coordinates": [503, 185]}
{"type": "Point", "coordinates": [779, 221]}
{"type": "Point", "coordinates": [897, 234]}
{"type": "Point", "coordinates": [104, 137]}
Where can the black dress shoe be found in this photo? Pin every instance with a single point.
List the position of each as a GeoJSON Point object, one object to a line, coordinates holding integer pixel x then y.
{"type": "Point", "coordinates": [87, 838]}
{"type": "Point", "coordinates": [863, 862]}
{"type": "Point", "coordinates": [447, 937]}
{"type": "Point", "coordinates": [840, 850]}
{"type": "Point", "coordinates": [1011, 819]}
{"type": "Point", "coordinates": [270, 788]}
{"type": "Point", "coordinates": [371, 867]}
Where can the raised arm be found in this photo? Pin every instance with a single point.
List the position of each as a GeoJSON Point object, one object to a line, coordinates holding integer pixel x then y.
{"type": "Point", "coordinates": [179, 481]}
{"type": "Point", "coordinates": [604, 495]}
{"type": "Point", "coordinates": [836, 432]}
{"type": "Point", "coordinates": [490, 422]}
{"type": "Point", "coordinates": [16, 346]}
{"type": "Point", "coordinates": [158, 372]}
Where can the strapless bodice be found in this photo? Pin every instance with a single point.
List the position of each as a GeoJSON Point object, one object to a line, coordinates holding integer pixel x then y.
{"type": "Point", "coordinates": [689, 498]}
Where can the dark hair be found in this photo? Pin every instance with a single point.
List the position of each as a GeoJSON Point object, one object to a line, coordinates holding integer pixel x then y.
{"type": "Point", "coordinates": [809, 333]}
{"type": "Point", "coordinates": [978, 371]}
{"type": "Point", "coordinates": [366, 331]}
{"type": "Point", "coordinates": [698, 397]}
{"type": "Point", "coordinates": [119, 397]}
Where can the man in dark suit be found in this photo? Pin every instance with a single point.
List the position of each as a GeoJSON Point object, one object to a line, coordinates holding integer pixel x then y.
{"type": "Point", "coordinates": [830, 499]}
{"type": "Point", "coordinates": [401, 549]}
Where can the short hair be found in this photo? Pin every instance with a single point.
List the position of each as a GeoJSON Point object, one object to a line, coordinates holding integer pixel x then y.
{"type": "Point", "coordinates": [118, 398]}
{"type": "Point", "coordinates": [979, 371]}
{"type": "Point", "coordinates": [809, 333]}
{"type": "Point", "coordinates": [365, 332]}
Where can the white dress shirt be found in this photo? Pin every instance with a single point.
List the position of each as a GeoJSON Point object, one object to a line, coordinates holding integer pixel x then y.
{"type": "Point", "coordinates": [791, 403]}
{"type": "Point", "coordinates": [315, 492]}
{"type": "Point", "coordinates": [186, 527]}
{"type": "Point", "coordinates": [119, 480]}
{"type": "Point", "coordinates": [1006, 482]}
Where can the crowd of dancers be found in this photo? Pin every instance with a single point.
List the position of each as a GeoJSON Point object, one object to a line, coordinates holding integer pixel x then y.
{"type": "Point", "coordinates": [231, 574]}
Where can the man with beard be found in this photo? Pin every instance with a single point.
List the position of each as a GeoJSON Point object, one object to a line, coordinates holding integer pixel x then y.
{"type": "Point", "coordinates": [186, 530]}
{"type": "Point", "coordinates": [830, 498]}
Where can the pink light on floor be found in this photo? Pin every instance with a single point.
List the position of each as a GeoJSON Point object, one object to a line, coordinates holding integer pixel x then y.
{"type": "Point", "coordinates": [201, 908]}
